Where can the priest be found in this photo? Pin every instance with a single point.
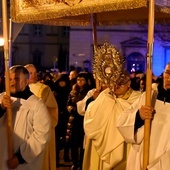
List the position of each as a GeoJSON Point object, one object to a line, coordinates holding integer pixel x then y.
{"type": "Point", "coordinates": [131, 126]}
{"type": "Point", "coordinates": [105, 147]}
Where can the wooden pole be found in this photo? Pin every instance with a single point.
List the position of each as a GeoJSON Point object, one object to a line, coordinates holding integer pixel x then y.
{"type": "Point", "coordinates": [94, 32]}
{"type": "Point", "coordinates": [148, 82]}
{"type": "Point", "coordinates": [7, 86]}
{"type": "Point", "coordinates": [10, 42]}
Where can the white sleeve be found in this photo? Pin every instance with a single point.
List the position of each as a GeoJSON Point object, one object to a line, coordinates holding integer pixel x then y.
{"type": "Point", "coordinates": [82, 103]}
{"type": "Point", "coordinates": [126, 124]}
{"type": "Point", "coordinates": [36, 142]}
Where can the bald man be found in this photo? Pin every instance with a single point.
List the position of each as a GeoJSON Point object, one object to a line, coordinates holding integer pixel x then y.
{"type": "Point", "coordinates": [43, 91]}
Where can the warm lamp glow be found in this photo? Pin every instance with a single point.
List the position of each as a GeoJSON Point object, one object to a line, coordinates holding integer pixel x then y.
{"type": "Point", "coordinates": [1, 41]}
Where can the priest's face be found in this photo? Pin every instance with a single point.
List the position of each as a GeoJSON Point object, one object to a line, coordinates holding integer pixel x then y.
{"type": "Point", "coordinates": [121, 89]}
{"type": "Point", "coordinates": [18, 82]}
{"type": "Point", "coordinates": [33, 74]}
{"type": "Point", "coordinates": [166, 76]}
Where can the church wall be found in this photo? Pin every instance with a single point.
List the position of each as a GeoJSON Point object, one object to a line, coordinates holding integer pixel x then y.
{"type": "Point", "coordinates": [80, 42]}
{"type": "Point", "coordinates": [80, 45]}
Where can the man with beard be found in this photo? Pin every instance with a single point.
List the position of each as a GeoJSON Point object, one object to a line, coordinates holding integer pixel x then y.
{"type": "Point", "coordinates": [31, 124]}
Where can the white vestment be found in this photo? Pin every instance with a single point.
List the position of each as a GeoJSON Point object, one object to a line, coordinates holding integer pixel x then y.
{"type": "Point", "coordinates": [100, 126]}
{"type": "Point", "coordinates": [44, 92]}
{"type": "Point", "coordinates": [31, 132]}
{"type": "Point", "coordinates": [82, 103]}
{"type": "Point", "coordinates": [159, 152]}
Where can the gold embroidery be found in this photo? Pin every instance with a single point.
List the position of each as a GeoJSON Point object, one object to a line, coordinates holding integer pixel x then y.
{"type": "Point", "coordinates": [39, 10]}
{"type": "Point", "coordinates": [72, 2]}
{"type": "Point", "coordinates": [127, 94]}
{"type": "Point", "coordinates": [109, 12]}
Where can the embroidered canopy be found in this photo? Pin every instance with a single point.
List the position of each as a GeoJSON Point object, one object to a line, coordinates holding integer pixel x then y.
{"type": "Point", "coordinates": [77, 12]}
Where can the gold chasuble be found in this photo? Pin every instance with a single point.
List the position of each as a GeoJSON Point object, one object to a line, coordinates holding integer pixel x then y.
{"type": "Point", "coordinates": [105, 148]}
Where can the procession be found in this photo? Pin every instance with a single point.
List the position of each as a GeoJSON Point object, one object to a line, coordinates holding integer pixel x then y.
{"type": "Point", "coordinates": [84, 85]}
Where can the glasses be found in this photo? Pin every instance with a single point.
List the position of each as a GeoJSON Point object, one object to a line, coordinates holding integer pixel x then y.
{"type": "Point", "coordinates": [122, 85]}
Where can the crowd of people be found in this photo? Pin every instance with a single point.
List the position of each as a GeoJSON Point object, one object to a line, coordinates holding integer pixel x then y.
{"type": "Point", "coordinates": [57, 111]}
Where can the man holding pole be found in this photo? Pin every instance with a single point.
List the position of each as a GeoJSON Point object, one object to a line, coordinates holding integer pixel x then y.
{"type": "Point", "coordinates": [130, 125]}
{"type": "Point", "coordinates": [31, 124]}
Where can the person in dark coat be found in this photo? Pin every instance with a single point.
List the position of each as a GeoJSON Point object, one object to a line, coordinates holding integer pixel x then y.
{"type": "Point", "coordinates": [61, 92]}
{"type": "Point", "coordinates": [75, 132]}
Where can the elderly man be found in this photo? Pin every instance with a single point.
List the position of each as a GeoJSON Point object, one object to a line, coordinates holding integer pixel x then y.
{"type": "Point", "coordinates": [31, 124]}
{"type": "Point", "coordinates": [43, 91]}
{"type": "Point", "coordinates": [105, 148]}
{"type": "Point", "coordinates": [131, 122]}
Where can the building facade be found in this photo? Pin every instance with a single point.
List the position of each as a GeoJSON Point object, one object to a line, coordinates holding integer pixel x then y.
{"type": "Point", "coordinates": [65, 48]}
{"type": "Point", "coordinates": [131, 40]}
{"type": "Point", "coordinates": [44, 46]}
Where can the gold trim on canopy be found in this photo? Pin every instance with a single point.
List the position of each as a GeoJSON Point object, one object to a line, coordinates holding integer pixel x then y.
{"type": "Point", "coordinates": [32, 10]}
{"type": "Point", "coordinates": [137, 16]}
{"type": "Point", "coordinates": [78, 12]}
{"type": "Point", "coordinates": [66, 21]}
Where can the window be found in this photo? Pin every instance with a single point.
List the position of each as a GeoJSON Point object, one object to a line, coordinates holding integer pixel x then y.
{"type": "Point", "coordinates": [135, 62]}
{"type": "Point", "coordinates": [66, 31]}
{"type": "Point", "coordinates": [37, 30]}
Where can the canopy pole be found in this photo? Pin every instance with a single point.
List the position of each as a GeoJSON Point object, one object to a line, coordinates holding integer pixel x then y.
{"type": "Point", "coordinates": [7, 86]}
{"type": "Point", "coordinates": [94, 32]}
{"type": "Point", "coordinates": [147, 124]}
{"type": "Point", "coordinates": [10, 42]}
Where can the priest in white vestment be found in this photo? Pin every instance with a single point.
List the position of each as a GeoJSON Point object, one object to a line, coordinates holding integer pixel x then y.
{"type": "Point", "coordinates": [105, 148]}
{"type": "Point", "coordinates": [31, 124]}
{"type": "Point", "coordinates": [131, 126]}
{"type": "Point", "coordinates": [44, 92]}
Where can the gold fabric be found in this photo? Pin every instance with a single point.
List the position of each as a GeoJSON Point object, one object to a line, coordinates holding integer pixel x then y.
{"type": "Point", "coordinates": [100, 127]}
{"type": "Point", "coordinates": [127, 94]}
{"type": "Point", "coordinates": [91, 158]}
{"type": "Point", "coordinates": [92, 161]}
{"type": "Point", "coordinates": [108, 12]}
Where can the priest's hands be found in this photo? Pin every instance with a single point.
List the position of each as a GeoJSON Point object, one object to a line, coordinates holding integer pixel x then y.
{"type": "Point", "coordinates": [96, 93]}
{"type": "Point", "coordinates": [13, 162]}
{"type": "Point", "coordinates": [146, 112]}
